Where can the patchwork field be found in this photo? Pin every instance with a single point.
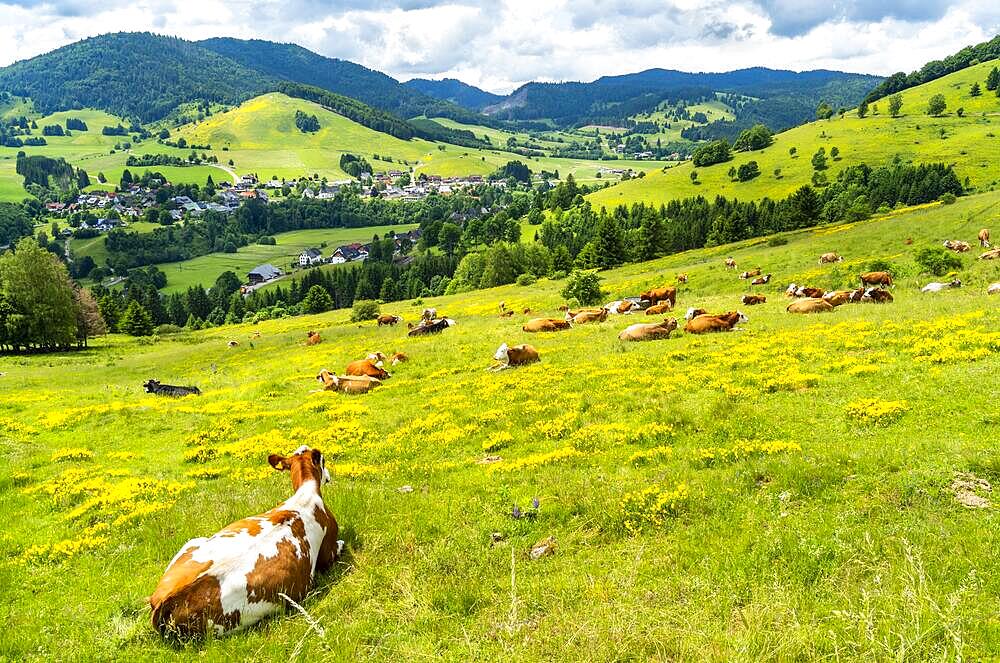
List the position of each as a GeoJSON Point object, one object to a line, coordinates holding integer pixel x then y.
{"type": "Point", "coordinates": [970, 143]}
{"type": "Point", "coordinates": [785, 492]}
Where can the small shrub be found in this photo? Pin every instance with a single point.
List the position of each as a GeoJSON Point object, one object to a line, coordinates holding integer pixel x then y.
{"type": "Point", "coordinates": [558, 275]}
{"type": "Point", "coordinates": [937, 261]}
{"type": "Point", "coordinates": [165, 330]}
{"type": "Point", "coordinates": [364, 309]}
{"type": "Point", "coordinates": [777, 241]}
{"type": "Point", "coordinates": [526, 279]}
{"type": "Point", "coordinates": [584, 286]}
{"type": "Point", "coordinates": [880, 265]}
{"type": "Point", "coordinates": [948, 198]}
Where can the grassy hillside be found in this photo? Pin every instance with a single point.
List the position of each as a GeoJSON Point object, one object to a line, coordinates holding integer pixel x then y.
{"type": "Point", "coordinates": [91, 150]}
{"type": "Point", "coordinates": [262, 138]}
{"type": "Point", "coordinates": [971, 143]}
{"type": "Point", "coordinates": [730, 497]}
{"type": "Point", "coordinates": [205, 269]}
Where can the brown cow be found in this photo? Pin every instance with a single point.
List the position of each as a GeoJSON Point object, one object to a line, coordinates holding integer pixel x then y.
{"type": "Point", "coordinates": [347, 384]}
{"type": "Point", "coordinates": [546, 325]}
{"type": "Point", "coordinates": [390, 320]}
{"type": "Point", "coordinates": [875, 278]}
{"type": "Point", "coordinates": [812, 293]}
{"type": "Point", "coordinates": [399, 358]}
{"type": "Point", "coordinates": [876, 296]}
{"type": "Point", "coordinates": [693, 313]}
{"type": "Point", "coordinates": [957, 245]}
{"type": "Point", "coordinates": [751, 273]}
{"type": "Point", "coordinates": [649, 332]}
{"type": "Point", "coordinates": [761, 280]}
{"type": "Point", "coordinates": [667, 293]}
{"type": "Point", "coordinates": [313, 338]}
{"type": "Point", "coordinates": [367, 367]}
{"type": "Point", "coordinates": [682, 278]}
{"type": "Point", "coordinates": [705, 324]}
{"type": "Point", "coordinates": [837, 297]}
{"type": "Point", "coordinates": [984, 238]}
{"type": "Point", "coordinates": [510, 357]}
{"type": "Point", "coordinates": [253, 567]}
{"type": "Point", "coordinates": [584, 317]}
{"type": "Point", "coordinates": [810, 305]}
{"type": "Point", "coordinates": [730, 263]}
{"type": "Point", "coordinates": [992, 254]}
{"type": "Point", "coordinates": [753, 300]}
{"type": "Point", "coordinates": [659, 309]}
{"type": "Point", "coordinates": [829, 257]}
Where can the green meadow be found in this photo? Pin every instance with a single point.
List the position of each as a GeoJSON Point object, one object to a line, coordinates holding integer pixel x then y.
{"type": "Point", "coordinates": [790, 491]}
{"type": "Point", "coordinates": [970, 143]}
{"type": "Point", "coordinates": [205, 269]}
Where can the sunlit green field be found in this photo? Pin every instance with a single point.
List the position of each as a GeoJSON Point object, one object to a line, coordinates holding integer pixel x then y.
{"type": "Point", "coordinates": [970, 143]}
{"type": "Point", "coordinates": [285, 254]}
{"type": "Point", "coordinates": [784, 492]}
{"type": "Point", "coordinates": [713, 110]}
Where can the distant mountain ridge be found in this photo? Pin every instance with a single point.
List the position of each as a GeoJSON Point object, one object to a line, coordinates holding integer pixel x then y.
{"type": "Point", "coordinates": [455, 91]}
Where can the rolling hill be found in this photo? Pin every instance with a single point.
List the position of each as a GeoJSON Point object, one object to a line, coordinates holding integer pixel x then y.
{"type": "Point", "coordinates": [789, 491]}
{"type": "Point", "coordinates": [969, 142]}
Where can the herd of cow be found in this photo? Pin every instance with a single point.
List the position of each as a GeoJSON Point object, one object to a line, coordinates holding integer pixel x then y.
{"type": "Point", "coordinates": [253, 567]}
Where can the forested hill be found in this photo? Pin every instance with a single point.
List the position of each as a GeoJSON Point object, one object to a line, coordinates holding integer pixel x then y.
{"type": "Point", "coordinates": [131, 74]}
{"type": "Point", "coordinates": [455, 91]}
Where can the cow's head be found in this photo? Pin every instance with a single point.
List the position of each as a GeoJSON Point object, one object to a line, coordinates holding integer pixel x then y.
{"type": "Point", "coordinates": [501, 353]}
{"type": "Point", "coordinates": [305, 464]}
{"type": "Point", "coordinates": [955, 284]}
{"type": "Point", "coordinates": [792, 289]}
{"type": "Point", "coordinates": [151, 386]}
{"type": "Point", "coordinates": [669, 323]}
{"type": "Point", "coordinates": [741, 317]}
{"type": "Point", "coordinates": [327, 378]}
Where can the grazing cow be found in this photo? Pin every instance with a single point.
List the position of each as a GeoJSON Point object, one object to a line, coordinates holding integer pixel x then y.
{"type": "Point", "coordinates": [875, 278]}
{"type": "Point", "coordinates": [682, 278]}
{"type": "Point", "coordinates": [876, 296]}
{"type": "Point", "coordinates": [810, 305]}
{"type": "Point", "coordinates": [252, 567]}
{"type": "Point", "coordinates": [837, 297]}
{"type": "Point", "coordinates": [667, 293]}
{"type": "Point", "coordinates": [938, 287]}
{"type": "Point", "coordinates": [389, 320]}
{"type": "Point", "coordinates": [313, 338]}
{"type": "Point", "coordinates": [693, 313]}
{"type": "Point", "coordinates": [233, 344]}
{"type": "Point", "coordinates": [155, 387]}
{"type": "Point", "coordinates": [992, 254]}
{"type": "Point", "coordinates": [753, 300]}
{"type": "Point", "coordinates": [649, 332]}
{"type": "Point", "coordinates": [546, 325]}
{"type": "Point", "coordinates": [751, 273]}
{"type": "Point", "coordinates": [399, 358]}
{"type": "Point", "coordinates": [956, 245]}
{"type": "Point", "coordinates": [432, 327]}
{"type": "Point", "coordinates": [761, 280]}
{"type": "Point", "coordinates": [347, 384]}
{"type": "Point", "coordinates": [510, 357]}
{"type": "Point", "coordinates": [705, 324]}
{"type": "Point", "coordinates": [993, 289]}
{"type": "Point", "coordinates": [584, 317]}
{"type": "Point", "coordinates": [659, 309]}
{"type": "Point", "coordinates": [829, 257]}
{"type": "Point", "coordinates": [526, 311]}
{"type": "Point", "coordinates": [254, 335]}
{"type": "Point", "coordinates": [367, 367]}
{"type": "Point", "coordinates": [984, 238]}
{"type": "Point", "coordinates": [429, 314]}
{"type": "Point", "coordinates": [730, 263]}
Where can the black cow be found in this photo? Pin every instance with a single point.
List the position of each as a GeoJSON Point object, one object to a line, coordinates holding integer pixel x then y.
{"type": "Point", "coordinates": [154, 387]}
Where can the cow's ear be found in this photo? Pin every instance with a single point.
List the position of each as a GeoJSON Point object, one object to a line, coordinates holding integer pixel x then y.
{"type": "Point", "coordinates": [317, 458]}
{"type": "Point", "coordinates": [279, 463]}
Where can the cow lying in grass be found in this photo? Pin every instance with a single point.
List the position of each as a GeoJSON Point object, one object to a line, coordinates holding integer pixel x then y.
{"type": "Point", "coordinates": [512, 357]}
{"type": "Point", "coordinates": [827, 258]}
{"type": "Point", "coordinates": [348, 384]}
{"type": "Point", "coordinates": [431, 327]}
{"type": "Point", "coordinates": [707, 324]}
{"type": "Point", "coordinates": [751, 273]}
{"type": "Point", "coordinates": [585, 317]}
{"type": "Point", "coordinates": [795, 290]}
{"type": "Point", "coordinates": [369, 368]}
{"type": "Point", "coordinates": [957, 245]}
{"type": "Point", "coordinates": [659, 309]}
{"type": "Point", "coordinates": [313, 338]}
{"type": "Point", "coordinates": [693, 313]}
{"type": "Point", "coordinates": [871, 296]}
{"type": "Point", "coordinates": [993, 289]}
{"type": "Point", "coordinates": [546, 325]}
{"type": "Point", "coordinates": [810, 305]}
{"type": "Point", "coordinates": [649, 332]}
{"type": "Point", "coordinates": [938, 287]}
{"type": "Point", "coordinates": [753, 300]}
{"type": "Point", "coordinates": [155, 387]}
{"type": "Point", "coordinates": [251, 568]}
{"type": "Point", "coordinates": [992, 254]}
{"type": "Point", "coordinates": [837, 297]}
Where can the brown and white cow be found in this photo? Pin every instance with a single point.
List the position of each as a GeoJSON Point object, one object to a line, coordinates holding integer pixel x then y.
{"type": "Point", "coordinates": [876, 296]}
{"type": "Point", "coordinates": [761, 280]}
{"type": "Point", "coordinates": [429, 314]}
{"type": "Point", "coordinates": [546, 325]}
{"type": "Point", "coordinates": [984, 238]}
{"type": "Point", "coordinates": [667, 293]}
{"type": "Point", "coordinates": [957, 245]}
{"type": "Point", "coordinates": [369, 368]}
{"type": "Point", "coordinates": [693, 313]}
{"type": "Point", "coordinates": [682, 278]}
{"type": "Point", "coordinates": [795, 290]}
{"type": "Point", "coordinates": [649, 332]}
{"type": "Point", "coordinates": [829, 257]}
{"type": "Point", "coordinates": [585, 317]}
{"type": "Point", "coordinates": [837, 297]}
{"type": "Point", "coordinates": [730, 263]}
{"type": "Point", "coordinates": [810, 305]}
{"type": "Point", "coordinates": [875, 278]}
{"type": "Point", "coordinates": [233, 344]}
{"type": "Point", "coordinates": [993, 289]}
{"type": "Point", "coordinates": [992, 254]}
{"type": "Point", "coordinates": [252, 567]}
{"type": "Point", "coordinates": [347, 384]}
{"type": "Point", "coordinates": [751, 273]}
{"type": "Point", "coordinates": [399, 358]}
{"type": "Point", "coordinates": [313, 338]}
{"type": "Point", "coordinates": [510, 357]}
{"type": "Point", "coordinates": [659, 309]}
{"type": "Point", "coordinates": [706, 324]}
{"type": "Point", "coordinates": [753, 300]}
{"type": "Point", "coordinates": [388, 320]}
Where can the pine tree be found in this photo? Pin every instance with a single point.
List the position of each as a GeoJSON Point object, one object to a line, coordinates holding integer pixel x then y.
{"type": "Point", "coordinates": [136, 320]}
{"type": "Point", "coordinates": [609, 244]}
{"type": "Point", "coordinates": [993, 79]}
{"type": "Point", "coordinates": [975, 91]}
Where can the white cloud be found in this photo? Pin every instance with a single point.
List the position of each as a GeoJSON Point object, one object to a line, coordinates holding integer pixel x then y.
{"type": "Point", "coordinates": [499, 44]}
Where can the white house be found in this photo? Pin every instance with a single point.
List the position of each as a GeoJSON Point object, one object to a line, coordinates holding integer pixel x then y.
{"type": "Point", "coordinates": [310, 257]}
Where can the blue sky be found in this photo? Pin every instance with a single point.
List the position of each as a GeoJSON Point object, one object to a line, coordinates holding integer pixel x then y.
{"type": "Point", "coordinates": [500, 44]}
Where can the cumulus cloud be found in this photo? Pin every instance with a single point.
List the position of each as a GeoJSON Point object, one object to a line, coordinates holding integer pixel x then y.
{"type": "Point", "coordinates": [499, 44]}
